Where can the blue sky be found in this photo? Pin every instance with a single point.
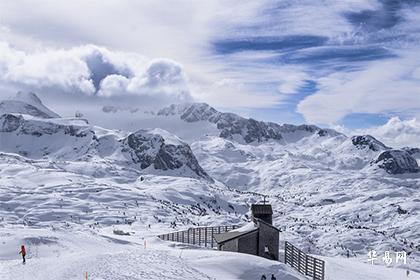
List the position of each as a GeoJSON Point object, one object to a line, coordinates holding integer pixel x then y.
{"type": "Point", "coordinates": [371, 32]}
{"type": "Point", "coordinates": [350, 64]}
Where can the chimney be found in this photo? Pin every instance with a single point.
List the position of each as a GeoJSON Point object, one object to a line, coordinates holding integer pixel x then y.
{"type": "Point", "coordinates": [263, 212]}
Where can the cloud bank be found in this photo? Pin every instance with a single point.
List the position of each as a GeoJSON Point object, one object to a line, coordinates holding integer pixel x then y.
{"type": "Point", "coordinates": [323, 62]}
{"type": "Point", "coordinates": [396, 132]}
{"type": "Point", "coordinates": [390, 86]}
{"type": "Point", "coordinates": [94, 71]}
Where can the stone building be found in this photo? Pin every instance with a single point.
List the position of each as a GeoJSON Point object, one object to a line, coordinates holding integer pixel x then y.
{"type": "Point", "coordinates": [258, 237]}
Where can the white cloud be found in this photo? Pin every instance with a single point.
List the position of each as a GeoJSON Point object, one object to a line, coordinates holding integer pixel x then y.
{"type": "Point", "coordinates": [184, 31]}
{"type": "Point", "coordinates": [232, 94]}
{"type": "Point", "coordinates": [396, 133]}
{"type": "Point", "coordinates": [45, 69]}
{"type": "Point", "coordinates": [291, 82]}
{"type": "Point", "coordinates": [386, 86]}
{"type": "Point", "coordinates": [94, 70]}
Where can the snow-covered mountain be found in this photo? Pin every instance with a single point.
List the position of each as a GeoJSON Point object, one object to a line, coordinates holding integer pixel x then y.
{"type": "Point", "coordinates": [26, 103]}
{"type": "Point", "coordinates": [332, 194]}
{"type": "Point", "coordinates": [234, 127]}
{"type": "Point", "coordinates": [239, 130]}
{"type": "Point", "coordinates": [73, 139]}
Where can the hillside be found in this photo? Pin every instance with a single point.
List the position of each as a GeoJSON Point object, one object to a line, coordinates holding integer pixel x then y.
{"type": "Point", "coordinates": [333, 195]}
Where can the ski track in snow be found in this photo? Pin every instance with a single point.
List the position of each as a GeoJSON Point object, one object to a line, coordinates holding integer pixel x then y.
{"type": "Point", "coordinates": [119, 266]}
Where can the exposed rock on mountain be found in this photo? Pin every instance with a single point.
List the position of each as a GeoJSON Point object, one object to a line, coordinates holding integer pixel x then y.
{"type": "Point", "coordinates": [232, 126]}
{"type": "Point", "coordinates": [9, 122]}
{"type": "Point", "coordinates": [415, 152]}
{"type": "Point", "coordinates": [329, 183]}
{"type": "Point", "coordinates": [148, 148]}
{"type": "Point", "coordinates": [40, 136]}
{"type": "Point", "coordinates": [367, 141]}
{"type": "Point", "coordinates": [62, 139]}
{"type": "Point", "coordinates": [397, 162]}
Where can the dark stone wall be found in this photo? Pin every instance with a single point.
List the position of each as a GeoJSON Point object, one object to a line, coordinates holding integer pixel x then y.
{"type": "Point", "coordinates": [231, 246]}
{"type": "Point", "coordinates": [248, 244]}
{"type": "Point", "coordinates": [254, 243]}
{"type": "Point", "coordinates": [268, 218]}
{"type": "Point", "coordinates": [269, 237]}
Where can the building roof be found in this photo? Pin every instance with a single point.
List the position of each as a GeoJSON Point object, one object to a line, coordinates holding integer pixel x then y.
{"type": "Point", "coordinates": [246, 229]}
{"type": "Point", "coordinates": [261, 209]}
{"type": "Point", "coordinates": [226, 236]}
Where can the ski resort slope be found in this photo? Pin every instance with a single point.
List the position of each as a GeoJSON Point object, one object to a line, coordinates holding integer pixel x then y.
{"type": "Point", "coordinates": [104, 255]}
{"type": "Point", "coordinates": [64, 185]}
{"type": "Point", "coordinates": [69, 254]}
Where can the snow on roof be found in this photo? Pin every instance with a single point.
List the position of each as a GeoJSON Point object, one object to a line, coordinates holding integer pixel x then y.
{"type": "Point", "coordinates": [226, 236]}
{"type": "Point", "coordinates": [245, 228]}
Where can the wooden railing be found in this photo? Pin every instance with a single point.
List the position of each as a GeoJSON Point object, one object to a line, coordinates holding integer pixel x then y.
{"type": "Point", "coordinates": [201, 236]}
{"type": "Point", "coordinates": [204, 236]}
{"type": "Point", "coordinates": [305, 264]}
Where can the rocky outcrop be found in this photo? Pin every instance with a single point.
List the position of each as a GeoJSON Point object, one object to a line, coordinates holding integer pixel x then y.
{"type": "Point", "coordinates": [39, 138]}
{"type": "Point", "coordinates": [369, 142]}
{"type": "Point", "coordinates": [73, 139]}
{"type": "Point", "coordinates": [397, 162]}
{"type": "Point", "coordinates": [147, 148]}
{"type": "Point", "coordinates": [69, 139]}
{"type": "Point", "coordinates": [9, 122]}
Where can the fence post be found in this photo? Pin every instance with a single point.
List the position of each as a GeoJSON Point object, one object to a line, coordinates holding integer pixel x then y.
{"type": "Point", "coordinates": [193, 235]}
{"type": "Point", "coordinates": [199, 236]}
{"type": "Point", "coordinates": [299, 258]}
{"type": "Point", "coordinates": [205, 236]}
{"type": "Point", "coordinates": [314, 274]}
{"type": "Point", "coordinates": [212, 237]}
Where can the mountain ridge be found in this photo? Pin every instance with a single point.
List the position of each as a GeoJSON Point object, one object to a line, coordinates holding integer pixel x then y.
{"type": "Point", "coordinates": [232, 125]}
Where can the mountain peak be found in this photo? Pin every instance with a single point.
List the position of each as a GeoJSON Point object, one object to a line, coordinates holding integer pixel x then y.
{"type": "Point", "coordinates": [397, 162]}
{"type": "Point", "coordinates": [232, 126]}
{"type": "Point", "coordinates": [363, 141]}
{"type": "Point", "coordinates": [27, 97]}
{"type": "Point", "coordinates": [27, 103]}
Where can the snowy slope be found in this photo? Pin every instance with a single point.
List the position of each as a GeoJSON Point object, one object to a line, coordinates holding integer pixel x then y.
{"type": "Point", "coordinates": [63, 139]}
{"type": "Point", "coordinates": [191, 165]}
{"type": "Point", "coordinates": [329, 196]}
{"type": "Point", "coordinates": [70, 254]}
{"type": "Point", "coordinates": [103, 255]}
{"type": "Point", "coordinates": [335, 194]}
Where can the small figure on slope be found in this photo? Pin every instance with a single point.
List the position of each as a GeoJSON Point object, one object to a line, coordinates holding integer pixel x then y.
{"type": "Point", "coordinates": [273, 277]}
{"type": "Point", "coordinates": [23, 252]}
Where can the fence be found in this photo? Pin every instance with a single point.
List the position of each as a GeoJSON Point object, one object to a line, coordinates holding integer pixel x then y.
{"type": "Point", "coordinates": [204, 236]}
{"type": "Point", "coordinates": [201, 236]}
{"type": "Point", "coordinates": [305, 264]}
